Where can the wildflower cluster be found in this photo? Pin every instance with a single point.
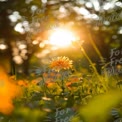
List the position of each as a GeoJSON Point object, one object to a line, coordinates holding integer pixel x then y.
{"type": "Point", "coordinates": [53, 94]}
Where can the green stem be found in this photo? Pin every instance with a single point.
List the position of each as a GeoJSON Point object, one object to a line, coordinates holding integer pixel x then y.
{"type": "Point", "coordinates": [43, 80]}
{"type": "Point", "coordinates": [91, 63]}
{"type": "Point", "coordinates": [62, 81]}
{"type": "Point", "coordinates": [95, 47]}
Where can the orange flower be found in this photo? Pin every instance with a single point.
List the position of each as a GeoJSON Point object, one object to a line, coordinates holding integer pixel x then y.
{"type": "Point", "coordinates": [45, 74]}
{"type": "Point", "coordinates": [8, 91]}
{"type": "Point", "coordinates": [36, 81]}
{"type": "Point", "coordinates": [6, 106]}
{"type": "Point", "coordinates": [52, 74]}
{"type": "Point", "coordinates": [61, 63]}
{"type": "Point", "coordinates": [72, 80]}
{"type": "Point", "coordinates": [22, 83]}
{"type": "Point", "coordinates": [50, 84]}
{"type": "Point", "coordinates": [70, 85]}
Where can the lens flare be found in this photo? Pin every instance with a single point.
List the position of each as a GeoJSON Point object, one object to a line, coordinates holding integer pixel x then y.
{"type": "Point", "coordinates": [61, 38]}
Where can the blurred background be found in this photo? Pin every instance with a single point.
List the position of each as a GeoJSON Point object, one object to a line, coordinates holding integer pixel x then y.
{"type": "Point", "coordinates": [34, 31]}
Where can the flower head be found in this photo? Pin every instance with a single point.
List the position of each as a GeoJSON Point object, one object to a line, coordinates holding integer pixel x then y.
{"type": "Point", "coordinates": [61, 63]}
{"type": "Point", "coordinates": [50, 84]}
{"type": "Point", "coordinates": [22, 83]}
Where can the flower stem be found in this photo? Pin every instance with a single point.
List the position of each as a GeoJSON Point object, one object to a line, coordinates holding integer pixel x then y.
{"type": "Point", "coordinates": [91, 63]}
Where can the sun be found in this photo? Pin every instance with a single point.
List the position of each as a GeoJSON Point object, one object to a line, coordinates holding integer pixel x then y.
{"type": "Point", "coordinates": [61, 38]}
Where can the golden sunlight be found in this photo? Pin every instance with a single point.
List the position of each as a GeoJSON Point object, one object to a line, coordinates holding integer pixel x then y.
{"type": "Point", "coordinates": [61, 38]}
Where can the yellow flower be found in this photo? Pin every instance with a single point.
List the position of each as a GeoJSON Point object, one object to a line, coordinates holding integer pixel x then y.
{"type": "Point", "coordinates": [61, 63]}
